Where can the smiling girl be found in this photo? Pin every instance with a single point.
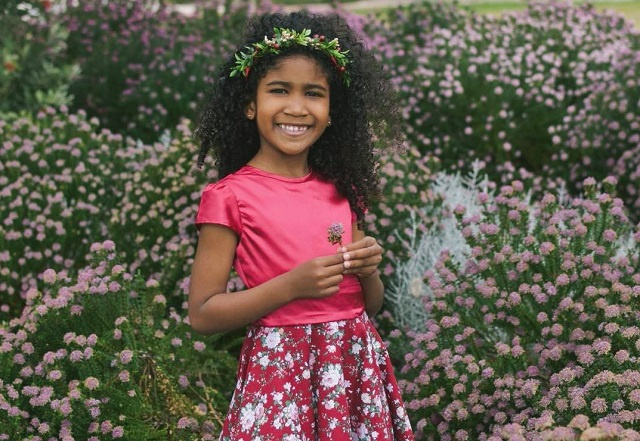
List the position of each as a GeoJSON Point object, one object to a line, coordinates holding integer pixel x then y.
{"type": "Point", "coordinates": [291, 124]}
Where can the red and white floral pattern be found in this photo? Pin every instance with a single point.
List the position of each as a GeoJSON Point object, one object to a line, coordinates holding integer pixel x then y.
{"type": "Point", "coordinates": [320, 382]}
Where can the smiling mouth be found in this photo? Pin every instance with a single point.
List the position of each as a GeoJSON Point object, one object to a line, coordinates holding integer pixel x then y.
{"type": "Point", "coordinates": [293, 129]}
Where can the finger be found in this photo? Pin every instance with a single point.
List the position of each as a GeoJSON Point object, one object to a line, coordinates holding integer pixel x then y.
{"type": "Point", "coordinates": [332, 270]}
{"type": "Point", "coordinates": [333, 259]}
{"type": "Point", "coordinates": [364, 243]}
{"type": "Point", "coordinates": [364, 270]}
{"type": "Point", "coordinates": [359, 263]}
{"type": "Point", "coordinates": [333, 281]}
{"type": "Point", "coordinates": [356, 245]}
{"type": "Point", "coordinates": [374, 250]}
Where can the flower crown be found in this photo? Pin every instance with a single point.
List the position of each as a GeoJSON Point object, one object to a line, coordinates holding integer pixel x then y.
{"type": "Point", "coordinates": [283, 38]}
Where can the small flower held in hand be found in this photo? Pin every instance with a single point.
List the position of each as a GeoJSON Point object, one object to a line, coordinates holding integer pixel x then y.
{"type": "Point", "coordinates": [335, 232]}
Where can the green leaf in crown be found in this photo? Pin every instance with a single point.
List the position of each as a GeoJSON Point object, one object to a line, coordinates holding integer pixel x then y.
{"type": "Point", "coordinates": [283, 38]}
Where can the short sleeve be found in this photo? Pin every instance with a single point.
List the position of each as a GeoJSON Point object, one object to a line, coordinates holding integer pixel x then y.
{"type": "Point", "coordinates": [218, 205]}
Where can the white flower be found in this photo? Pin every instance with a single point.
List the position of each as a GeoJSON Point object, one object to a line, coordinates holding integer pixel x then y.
{"type": "Point", "coordinates": [366, 398]}
{"type": "Point", "coordinates": [306, 374]}
{"type": "Point", "coordinates": [277, 397]}
{"type": "Point", "coordinates": [247, 418]}
{"type": "Point", "coordinates": [292, 411]}
{"type": "Point", "coordinates": [259, 412]}
{"type": "Point", "coordinates": [330, 404]}
{"type": "Point", "coordinates": [331, 349]}
{"type": "Point", "coordinates": [332, 328]}
{"type": "Point", "coordinates": [264, 361]}
{"type": "Point", "coordinates": [356, 348]}
{"type": "Point", "coordinates": [272, 340]}
{"type": "Point", "coordinates": [332, 376]}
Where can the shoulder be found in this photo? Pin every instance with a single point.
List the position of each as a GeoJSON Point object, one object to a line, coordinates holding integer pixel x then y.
{"type": "Point", "coordinates": [228, 184]}
{"type": "Point", "coordinates": [219, 205]}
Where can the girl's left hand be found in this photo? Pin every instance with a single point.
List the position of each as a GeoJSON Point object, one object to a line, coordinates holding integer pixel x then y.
{"type": "Point", "coordinates": [362, 257]}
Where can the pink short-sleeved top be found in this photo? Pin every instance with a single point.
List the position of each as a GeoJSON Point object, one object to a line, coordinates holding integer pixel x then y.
{"type": "Point", "coordinates": [282, 222]}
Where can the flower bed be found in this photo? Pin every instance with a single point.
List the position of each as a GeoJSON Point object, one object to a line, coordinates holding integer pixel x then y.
{"type": "Point", "coordinates": [525, 328]}
{"type": "Point", "coordinates": [548, 95]}
{"type": "Point", "coordinates": [536, 331]}
{"type": "Point", "coordinates": [100, 355]}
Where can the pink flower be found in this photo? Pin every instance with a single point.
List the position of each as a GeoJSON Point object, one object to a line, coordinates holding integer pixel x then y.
{"type": "Point", "coordinates": [598, 405]}
{"type": "Point", "coordinates": [335, 232]}
{"type": "Point", "coordinates": [601, 346]}
{"type": "Point", "coordinates": [609, 235]}
{"type": "Point", "coordinates": [126, 356]}
{"type": "Point", "coordinates": [546, 248]}
{"type": "Point", "coordinates": [49, 276]}
{"type": "Point", "coordinates": [91, 383]}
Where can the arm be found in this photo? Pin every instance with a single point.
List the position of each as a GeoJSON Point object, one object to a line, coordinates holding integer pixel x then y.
{"type": "Point", "coordinates": [212, 309]}
{"type": "Point", "coordinates": [362, 258]}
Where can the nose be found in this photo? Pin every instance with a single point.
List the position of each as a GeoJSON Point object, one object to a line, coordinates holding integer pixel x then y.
{"type": "Point", "coordinates": [296, 105]}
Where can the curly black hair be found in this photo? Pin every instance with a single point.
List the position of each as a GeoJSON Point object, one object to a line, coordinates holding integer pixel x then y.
{"type": "Point", "coordinates": [365, 115]}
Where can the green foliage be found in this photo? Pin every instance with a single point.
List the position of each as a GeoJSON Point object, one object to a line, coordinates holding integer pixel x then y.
{"type": "Point", "coordinates": [546, 303]}
{"type": "Point", "coordinates": [103, 353]}
{"type": "Point", "coordinates": [547, 95]}
{"type": "Point", "coordinates": [33, 71]}
{"type": "Point", "coordinates": [66, 184]}
{"type": "Point", "coordinates": [145, 67]}
{"type": "Point", "coordinates": [405, 178]}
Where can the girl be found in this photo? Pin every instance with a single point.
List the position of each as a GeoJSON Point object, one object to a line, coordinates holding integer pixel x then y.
{"type": "Point", "coordinates": [291, 124]}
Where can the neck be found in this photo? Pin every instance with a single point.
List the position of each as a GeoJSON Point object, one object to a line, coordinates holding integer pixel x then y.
{"type": "Point", "coordinates": [290, 167]}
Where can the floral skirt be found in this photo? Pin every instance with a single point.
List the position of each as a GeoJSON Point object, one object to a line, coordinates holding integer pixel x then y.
{"type": "Point", "coordinates": [320, 382]}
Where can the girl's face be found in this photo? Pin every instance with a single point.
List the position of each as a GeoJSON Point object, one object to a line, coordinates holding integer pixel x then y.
{"type": "Point", "coordinates": [291, 108]}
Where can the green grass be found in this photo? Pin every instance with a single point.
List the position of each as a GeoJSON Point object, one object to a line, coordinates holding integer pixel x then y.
{"type": "Point", "coordinates": [308, 2]}
{"type": "Point", "coordinates": [629, 9]}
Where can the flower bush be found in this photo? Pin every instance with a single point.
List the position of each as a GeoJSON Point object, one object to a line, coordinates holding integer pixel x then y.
{"type": "Point", "coordinates": [100, 356]}
{"type": "Point", "coordinates": [406, 179]}
{"type": "Point", "coordinates": [528, 93]}
{"type": "Point", "coordinates": [537, 330]}
{"type": "Point", "coordinates": [423, 245]}
{"type": "Point", "coordinates": [144, 66]}
{"type": "Point", "coordinates": [33, 69]}
{"type": "Point", "coordinates": [67, 183]}
{"type": "Point", "coordinates": [525, 328]}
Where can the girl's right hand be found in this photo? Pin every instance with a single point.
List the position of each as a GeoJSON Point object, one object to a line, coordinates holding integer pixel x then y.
{"type": "Point", "coordinates": [318, 277]}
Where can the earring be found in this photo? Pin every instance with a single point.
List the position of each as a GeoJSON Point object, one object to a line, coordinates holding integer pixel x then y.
{"type": "Point", "coordinates": [329, 123]}
{"type": "Point", "coordinates": [250, 115]}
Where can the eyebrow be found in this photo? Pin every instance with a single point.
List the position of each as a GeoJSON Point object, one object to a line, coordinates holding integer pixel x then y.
{"type": "Point", "coordinates": [288, 84]}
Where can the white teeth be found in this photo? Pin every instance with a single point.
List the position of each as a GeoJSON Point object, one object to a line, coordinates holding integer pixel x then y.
{"type": "Point", "coordinates": [289, 128]}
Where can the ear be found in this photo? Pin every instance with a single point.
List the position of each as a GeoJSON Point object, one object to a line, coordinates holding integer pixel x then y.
{"type": "Point", "coordinates": [250, 111]}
